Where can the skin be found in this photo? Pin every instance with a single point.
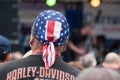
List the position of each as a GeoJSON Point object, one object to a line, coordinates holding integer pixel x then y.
{"type": "Point", "coordinates": [36, 47]}
{"type": "Point", "coordinates": [76, 64]}
{"type": "Point", "coordinates": [112, 65]}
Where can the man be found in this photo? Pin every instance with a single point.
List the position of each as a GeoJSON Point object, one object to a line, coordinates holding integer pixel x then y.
{"type": "Point", "coordinates": [80, 42]}
{"type": "Point", "coordinates": [49, 36]}
{"type": "Point", "coordinates": [16, 55]}
{"type": "Point", "coordinates": [112, 61]}
{"type": "Point", "coordinates": [5, 50]}
{"type": "Point", "coordinates": [98, 74]}
{"type": "Point", "coordinates": [88, 61]}
{"type": "Point", "coordinates": [85, 61]}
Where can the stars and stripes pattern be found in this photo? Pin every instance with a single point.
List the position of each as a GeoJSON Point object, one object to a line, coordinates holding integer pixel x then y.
{"type": "Point", "coordinates": [51, 29]}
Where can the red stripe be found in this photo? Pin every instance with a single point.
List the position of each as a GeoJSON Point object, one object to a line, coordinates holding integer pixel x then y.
{"type": "Point", "coordinates": [50, 30]}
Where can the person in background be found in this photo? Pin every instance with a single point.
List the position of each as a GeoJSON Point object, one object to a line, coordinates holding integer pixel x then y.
{"type": "Point", "coordinates": [24, 37]}
{"type": "Point", "coordinates": [100, 46]}
{"type": "Point", "coordinates": [5, 50]}
{"type": "Point", "coordinates": [16, 55]}
{"type": "Point", "coordinates": [85, 61]}
{"type": "Point", "coordinates": [115, 47]}
{"type": "Point", "coordinates": [88, 61]}
{"type": "Point", "coordinates": [111, 61]}
{"type": "Point", "coordinates": [49, 37]}
{"type": "Point", "coordinates": [80, 41]}
{"type": "Point", "coordinates": [98, 74]}
{"type": "Point", "coordinates": [76, 64]}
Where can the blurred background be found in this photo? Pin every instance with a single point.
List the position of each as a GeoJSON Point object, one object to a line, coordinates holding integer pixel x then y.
{"type": "Point", "coordinates": [17, 17]}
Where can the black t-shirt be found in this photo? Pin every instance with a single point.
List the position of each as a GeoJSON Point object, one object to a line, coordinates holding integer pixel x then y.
{"type": "Point", "coordinates": [32, 68]}
{"type": "Point", "coordinates": [77, 38]}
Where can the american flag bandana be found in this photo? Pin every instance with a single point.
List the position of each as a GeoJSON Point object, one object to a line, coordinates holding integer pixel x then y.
{"type": "Point", "coordinates": [51, 29]}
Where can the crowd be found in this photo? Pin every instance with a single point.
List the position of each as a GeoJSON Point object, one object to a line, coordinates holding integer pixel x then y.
{"type": "Point", "coordinates": [57, 55]}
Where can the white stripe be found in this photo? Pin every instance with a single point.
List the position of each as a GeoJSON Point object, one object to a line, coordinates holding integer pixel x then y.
{"type": "Point", "coordinates": [46, 30]}
{"type": "Point", "coordinates": [53, 52]}
{"type": "Point", "coordinates": [49, 56]}
{"type": "Point", "coordinates": [44, 56]}
{"type": "Point", "coordinates": [57, 30]}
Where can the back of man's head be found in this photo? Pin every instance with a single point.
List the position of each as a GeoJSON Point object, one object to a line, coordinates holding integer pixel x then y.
{"type": "Point", "coordinates": [51, 31]}
{"type": "Point", "coordinates": [98, 74]}
{"type": "Point", "coordinates": [88, 61]}
{"type": "Point", "coordinates": [112, 58]}
{"type": "Point", "coordinates": [5, 49]}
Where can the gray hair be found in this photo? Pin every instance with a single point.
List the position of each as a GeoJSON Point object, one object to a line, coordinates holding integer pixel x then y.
{"type": "Point", "coordinates": [112, 57]}
{"type": "Point", "coordinates": [98, 74]}
{"type": "Point", "coordinates": [88, 60]}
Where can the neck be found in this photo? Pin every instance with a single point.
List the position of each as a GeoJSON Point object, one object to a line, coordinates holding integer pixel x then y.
{"type": "Point", "coordinates": [37, 51]}
{"type": "Point", "coordinates": [111, 66]}
{"type": "Point", "coordinates": [58, 53]}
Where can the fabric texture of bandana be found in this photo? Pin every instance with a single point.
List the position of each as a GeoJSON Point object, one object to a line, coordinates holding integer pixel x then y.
{"type": "Point", "coordinates": [51, 29]}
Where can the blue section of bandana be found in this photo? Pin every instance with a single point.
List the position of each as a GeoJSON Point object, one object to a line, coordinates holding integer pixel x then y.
{"type": "Point", "coordinates": [38, 28]}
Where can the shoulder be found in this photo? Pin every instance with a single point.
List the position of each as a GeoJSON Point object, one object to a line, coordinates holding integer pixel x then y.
{"type": "Point", "coordinates": [10, 64]}
{"type": "Point", "coordinates": [72, 69]}
{"type": "Point", "coordinates": [67, 68]}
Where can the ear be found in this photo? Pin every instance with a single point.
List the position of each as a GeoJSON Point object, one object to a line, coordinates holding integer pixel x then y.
{"type": "Point", "coordinates": [8, 58]}
{"type": "Point", "coordinates": [31, 41]}
{"type": "Point", "coordinates": [64, 48]}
